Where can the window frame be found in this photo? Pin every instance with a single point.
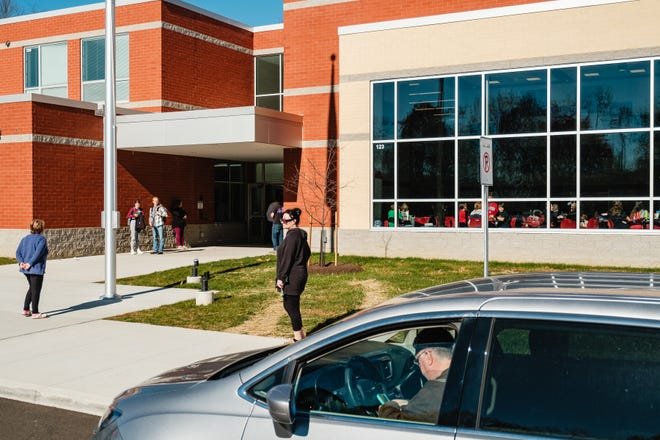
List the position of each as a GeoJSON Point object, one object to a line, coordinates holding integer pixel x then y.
{"type": "Point", "coordinates": [280, 93]}
{"type": "Point", "coordinates": [118, 79]}
{"type": "Point", "coordinates": [40, 88]}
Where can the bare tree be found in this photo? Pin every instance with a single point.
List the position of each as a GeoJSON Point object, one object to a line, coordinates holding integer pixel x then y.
{"type": "Point", "coordinates": [8, 8]}
{"type": "Point", "coordinates": [315, 182]}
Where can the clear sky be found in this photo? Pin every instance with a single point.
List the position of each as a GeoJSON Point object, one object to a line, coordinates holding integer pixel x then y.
{"type": "Point", "coordinates": [249, 12]}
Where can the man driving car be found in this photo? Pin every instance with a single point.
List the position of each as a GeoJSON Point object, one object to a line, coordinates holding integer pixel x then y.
{"type": "Point", "coordinates": [433, 358]}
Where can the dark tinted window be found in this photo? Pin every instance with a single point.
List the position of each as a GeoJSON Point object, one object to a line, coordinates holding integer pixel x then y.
{"type": "Point", "coordinates": [469, 105]}
{"type": "Point", "coordinates": [383, 111]}
{"type": "Point", "coordinates": [426, 169]}
{"type": "Point", "coordinates": [573, 380]}
{"type": "Point", "coordinates": [425, 108]}
{"type": "Point", "coordinates": [383, 162]}
{"type": "Point", "coordinates": [563, 98]}
{"type": "Point", "coordinates": [520, 167]}
{"type": "Point", "coordinates": [517, 102]}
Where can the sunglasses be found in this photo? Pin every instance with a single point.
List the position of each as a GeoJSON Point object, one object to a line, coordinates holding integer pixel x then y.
{"type": "Point", "coordinates": [287, 220]}
{"type": "Point", "coordinates": [419, 355]}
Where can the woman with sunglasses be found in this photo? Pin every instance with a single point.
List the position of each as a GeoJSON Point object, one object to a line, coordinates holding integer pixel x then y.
{"type": "Point", "coordinates": [292, 256]}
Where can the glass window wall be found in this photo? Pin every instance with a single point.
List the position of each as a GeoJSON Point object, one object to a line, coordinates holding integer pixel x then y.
{"type": "Point", "coordinates": [550, 172]}
{"type": "Point", "coordinates": [268, 81]}
{"type": "Point", "coordinates": [46, 69]}
{"type": "Point", "coordinates": [93, 69]}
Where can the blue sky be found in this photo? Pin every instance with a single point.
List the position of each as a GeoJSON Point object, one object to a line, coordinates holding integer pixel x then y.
{"type": "Point", "coordinates": [250, 12]}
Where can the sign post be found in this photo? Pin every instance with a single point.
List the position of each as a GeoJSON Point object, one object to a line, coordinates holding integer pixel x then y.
{"type": "Point", "coordinates": [486, 174]}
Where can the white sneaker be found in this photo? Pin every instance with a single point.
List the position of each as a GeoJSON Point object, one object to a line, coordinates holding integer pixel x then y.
{"type": "Point", "coordinates": [139, 251]}
{"type": "Point", "coordinates": [132, 252]}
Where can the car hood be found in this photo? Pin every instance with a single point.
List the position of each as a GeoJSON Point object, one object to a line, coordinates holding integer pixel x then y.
{"type": "Point", "coordinates": [212, 368]}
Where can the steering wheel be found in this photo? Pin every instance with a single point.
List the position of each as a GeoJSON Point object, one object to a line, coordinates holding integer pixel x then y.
{"type": "Point", "coordinates": [363, 382]}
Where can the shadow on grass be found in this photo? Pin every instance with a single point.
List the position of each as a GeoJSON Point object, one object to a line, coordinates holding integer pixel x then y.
{"type": "Point", "coordinates": [332, 320]}
{"type": "Point", "coordinates": [100, 302]}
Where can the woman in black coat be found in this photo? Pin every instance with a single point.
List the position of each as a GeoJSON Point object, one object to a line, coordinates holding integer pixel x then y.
{"type": "Point", "coordinates": [292, 257]}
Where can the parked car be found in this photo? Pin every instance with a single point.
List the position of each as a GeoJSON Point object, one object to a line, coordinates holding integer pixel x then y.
{"type": "Point", "coordinates": [562, 355]}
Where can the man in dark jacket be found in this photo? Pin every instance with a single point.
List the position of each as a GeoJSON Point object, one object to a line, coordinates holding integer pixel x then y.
{"type": "Point", "coordinates": [433, 361]}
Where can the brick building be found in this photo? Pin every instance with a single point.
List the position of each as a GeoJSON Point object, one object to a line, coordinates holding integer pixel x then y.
{"type": "Point", "coordinates": [368, 108]}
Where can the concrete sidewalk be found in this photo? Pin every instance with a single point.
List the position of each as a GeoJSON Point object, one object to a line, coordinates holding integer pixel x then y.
{"type": "Point", "coordinates": [77, 360]}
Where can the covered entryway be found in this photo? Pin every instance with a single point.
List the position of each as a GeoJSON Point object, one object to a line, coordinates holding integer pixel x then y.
{"type": "Point", "coordinates": [246, 145]}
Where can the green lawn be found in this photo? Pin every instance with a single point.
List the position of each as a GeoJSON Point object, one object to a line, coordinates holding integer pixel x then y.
{"type": "Point", "coordinates": [4, 260]}
{"type": "Point", "coordinates": [247, 297]}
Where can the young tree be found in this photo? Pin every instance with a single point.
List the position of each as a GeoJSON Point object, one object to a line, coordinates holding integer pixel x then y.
{"type": "Point", "coordinates": [314, 180]}
{"type": "Point", "coordinates": [8, 8]}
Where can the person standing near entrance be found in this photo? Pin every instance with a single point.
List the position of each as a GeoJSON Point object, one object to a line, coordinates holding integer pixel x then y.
{"type": "Point", "coordinates": [157, 216]}
{"type": "Point", "coordinates": [179, 217]}
{"type": "Point", "coordinates": [292, 257]}
{"type": "Point", "coordinates": [274, 215]}
{"type": "Point", "coordinates": [31, 256]}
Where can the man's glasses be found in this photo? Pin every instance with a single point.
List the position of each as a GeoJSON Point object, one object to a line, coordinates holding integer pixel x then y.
{"type": "Point", "coordinates": [419, 355]}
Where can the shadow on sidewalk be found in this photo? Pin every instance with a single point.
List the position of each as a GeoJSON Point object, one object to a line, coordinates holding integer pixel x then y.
{"type": "Point", "coordinates": [100, 302]}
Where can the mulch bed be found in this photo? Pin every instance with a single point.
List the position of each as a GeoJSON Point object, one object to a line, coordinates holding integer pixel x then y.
{"type": "Point", "coordinates": [330, 268]}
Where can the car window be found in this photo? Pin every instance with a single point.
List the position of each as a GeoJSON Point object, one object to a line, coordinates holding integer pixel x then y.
{"type": "Point", "coordinates": [261, 388]}
{"type": "Point", "coordinates": [572, 380]}
{"type": "Point", "coordinates": [380, 376]}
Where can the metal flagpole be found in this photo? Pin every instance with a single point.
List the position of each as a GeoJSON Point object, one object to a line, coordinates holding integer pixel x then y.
{"type": "Point", "coordinates": [110, 215]}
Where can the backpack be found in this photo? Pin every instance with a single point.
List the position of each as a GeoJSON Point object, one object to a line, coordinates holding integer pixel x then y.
{"type": "Point", "coordinates": [139, 223]}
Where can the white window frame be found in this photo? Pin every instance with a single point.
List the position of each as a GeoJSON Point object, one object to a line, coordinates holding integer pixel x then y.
{"type": "Point", "coordinates": [40, 88]}
{"type": "Point", "coordinates": [118, 79]}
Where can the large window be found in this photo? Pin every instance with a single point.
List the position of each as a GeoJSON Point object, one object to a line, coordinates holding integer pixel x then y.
{"type": "Point", "coordinates": [230, 192]}
{"type": "Point", "coordinates": [268, 81]}
{"type": "Point", "coordinates": [46, 69]}
{"type": "Point", "coordinates": [93, 69]}
{"type": "Point", "coordinates": [575, 147]}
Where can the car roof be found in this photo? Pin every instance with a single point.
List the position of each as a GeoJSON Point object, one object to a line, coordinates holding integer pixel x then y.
{"type": "Point", "coordinates": [589, 293]}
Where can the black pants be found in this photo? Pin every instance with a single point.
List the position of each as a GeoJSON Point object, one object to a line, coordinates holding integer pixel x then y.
{"type": "Point", "coordinates": [292, 307]}
{"type": "Point", "coordinates": [34, 291]}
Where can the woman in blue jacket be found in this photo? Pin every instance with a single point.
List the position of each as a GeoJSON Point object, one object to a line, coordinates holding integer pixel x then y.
{"type": "Point", "coordinates": [31, 255]}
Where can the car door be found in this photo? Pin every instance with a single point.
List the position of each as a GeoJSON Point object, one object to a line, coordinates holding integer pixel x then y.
{"type": "Point", "coordinates": [544, 377]}
{"type": "Point", "coordinates": [336, 392]}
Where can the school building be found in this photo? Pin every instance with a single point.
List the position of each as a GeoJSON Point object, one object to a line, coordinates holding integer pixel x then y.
{"type": "Point", "coordinates": [366, 114]}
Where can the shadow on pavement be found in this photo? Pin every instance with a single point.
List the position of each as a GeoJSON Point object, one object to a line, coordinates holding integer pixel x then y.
{"type": "Point", "coordinates": [100, 302]}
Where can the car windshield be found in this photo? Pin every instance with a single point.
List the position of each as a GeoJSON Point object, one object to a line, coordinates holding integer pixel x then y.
{"type": "Point", "coordinates": [249, 358]}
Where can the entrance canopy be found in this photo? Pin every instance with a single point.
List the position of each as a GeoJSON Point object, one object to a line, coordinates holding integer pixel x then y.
{"type": "Point", "coordinates": [250, 134]}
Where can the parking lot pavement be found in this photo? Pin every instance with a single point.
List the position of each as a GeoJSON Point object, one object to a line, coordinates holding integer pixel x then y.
{"type": "Point", "coordinates": [77, 360]}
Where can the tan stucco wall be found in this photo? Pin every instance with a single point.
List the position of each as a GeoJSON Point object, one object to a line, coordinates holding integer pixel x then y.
{"type": "Point", "coordinates": [588, 34]}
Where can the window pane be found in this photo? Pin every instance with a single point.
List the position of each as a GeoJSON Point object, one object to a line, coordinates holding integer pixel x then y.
{"type": "Point", "coordinates": [53, 64]}
{"type": "Point", "coordinates": [529, 215]}
{"type": "Point", "coordinates": [657, 94]}
{"type": "Point", "coordinates": [615, 96]}
{"type": "Point", "coordinates": [61, 92]}
{"type": "Point", "coordinates": [94, 92]}
{"type": "Point", "coordinates": [468, 169]}
{"type": "Point", "coordinates": [272, 102]}
{"type": "Point", "coordinates": [122, 59]}
{"type": "Point", "coordinates": [93, 61]}
{"type": "Point", "coordinates": [615, 214]}
{"type": "Point", "coordinates": [517, 102]}
{"type": "Point", "coordinates": [615, 165]}
{"type": "Point", "coordinates": [469, 105]}
{"type": "Point", "coordinates": [572, 380]}
{"type": "Point", "coordinates": [383, 111]}
{"type": "Point", "coordinates": [563, 215]}
{"type": "Point", "coordinates": [426, 108]}
{"type": "Point", "coordinates": [274, 172]}
{"type": "Point", "coordinates": [31, 67]}
{"type": "Point", "coordinates": [268, 74]}
{"type": "Point", "coordinates": [656, 164]}
{"type": "Point", "coordinates": [383, 172]}
{"type": "Point", "coordinates": [520, 167]}
{"type": "Point", "coordinates": [563, 99]}
{"type": "Point", "coordinates": [426, 170]}
{"type": "Point", "coordinates": [563, 166]}
{"type": "Point", "coordinates": [384, 215]}
{"type": "Point", "coordinates": [121, 90]}
{"type": "Point", "coordinates": [425, 214]}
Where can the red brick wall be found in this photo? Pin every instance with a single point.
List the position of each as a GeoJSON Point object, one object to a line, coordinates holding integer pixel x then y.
{"type": "Point", "coordinates": [11, 71]}
{"type": "Point", "coordinates": [204, 74]}
{"type": "Point", "coordinates": [16, 185]}
{"type": "Point", "coordinates": [268, 39]}
{"type": "Point", "coordinates": [145, 65]}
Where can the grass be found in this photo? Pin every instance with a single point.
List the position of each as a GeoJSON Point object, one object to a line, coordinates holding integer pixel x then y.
{"type": "Point", "coordinates": [5, 260]}
{"type": "Point", "coordinates": [246, 294]}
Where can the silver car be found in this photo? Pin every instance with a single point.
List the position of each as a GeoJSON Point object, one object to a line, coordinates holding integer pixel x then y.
{"type": "Point", "coordinates": [563, 355]}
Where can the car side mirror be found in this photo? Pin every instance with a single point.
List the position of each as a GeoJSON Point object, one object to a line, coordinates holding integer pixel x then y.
{"type": "Point", "coordinates": [281, 411]}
